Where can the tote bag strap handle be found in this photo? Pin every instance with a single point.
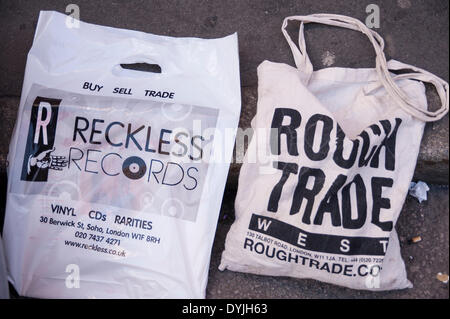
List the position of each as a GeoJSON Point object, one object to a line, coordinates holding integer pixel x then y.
{"type": "Point", "coordinates": [303, 63]}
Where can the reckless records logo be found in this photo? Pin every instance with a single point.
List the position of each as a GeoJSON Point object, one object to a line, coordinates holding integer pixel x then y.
{"type": "Point", "coordinates": [39, 157]}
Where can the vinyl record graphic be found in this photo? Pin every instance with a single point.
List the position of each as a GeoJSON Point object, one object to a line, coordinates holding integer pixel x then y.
{"type": "Point", "coordinates": [172, 207]}
{"type": "Point", "coordinates": [146, 200]}
{"type": "Point", "coordinates": [176, 112]}
{"type": "Point", "coordinates": [134, 167]}
{"type": "Point", "coordinates": [65, 190]}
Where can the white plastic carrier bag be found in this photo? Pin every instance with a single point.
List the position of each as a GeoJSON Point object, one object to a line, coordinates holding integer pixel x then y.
{"type": "Point", "coordinates": [4, 291]}
{"type": "Point", "coordinates": [341, 146]}
{"type": "Point", "coordinates": [110, 168]}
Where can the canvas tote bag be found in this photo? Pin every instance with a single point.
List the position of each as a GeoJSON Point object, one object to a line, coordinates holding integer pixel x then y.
{"type": "Point", "coordinates": [341, 148]}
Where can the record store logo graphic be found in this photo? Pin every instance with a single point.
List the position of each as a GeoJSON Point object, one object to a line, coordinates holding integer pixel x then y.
{"type": "Point", "coordinates": [39, 157]}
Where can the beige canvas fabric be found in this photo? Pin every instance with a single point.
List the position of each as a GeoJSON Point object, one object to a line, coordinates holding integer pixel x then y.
{"type": "Point", "coordinates": [342, 152]}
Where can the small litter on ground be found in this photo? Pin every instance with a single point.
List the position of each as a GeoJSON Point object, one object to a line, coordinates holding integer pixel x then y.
{"type": "Point", "coordinates": [442, 277]}
{"type": "Point", "coordinates": [419, 190]}
{"type": "Point", "coordinates": [415, 240]}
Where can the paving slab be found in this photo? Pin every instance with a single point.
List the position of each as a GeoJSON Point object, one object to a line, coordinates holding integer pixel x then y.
{"type": "Point", "coordinates": [423, 260]}
{"type": "Point", "coordinates": [415, 31]}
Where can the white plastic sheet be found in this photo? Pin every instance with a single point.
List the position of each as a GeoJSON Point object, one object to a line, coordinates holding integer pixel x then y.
{"type": "Point", "coordinates": [4, 292]}
{"type": "Point", "coordinates": [419, 190]}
